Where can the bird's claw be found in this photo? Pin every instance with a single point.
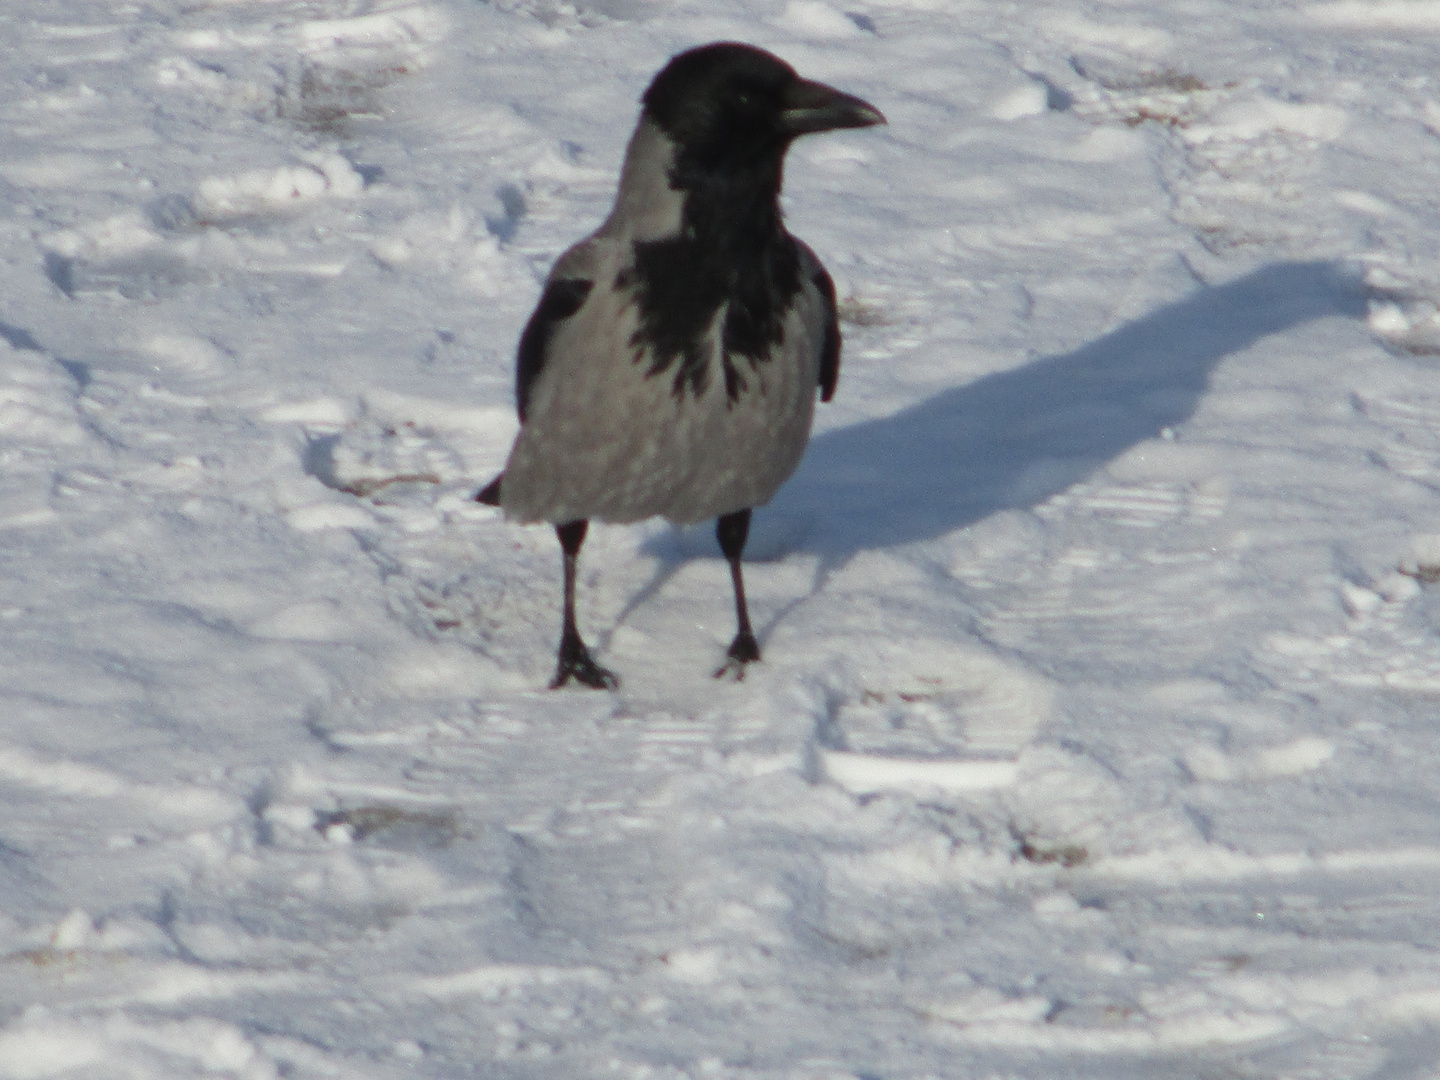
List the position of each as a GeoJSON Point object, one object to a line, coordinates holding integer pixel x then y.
{"type": "Point", "coordinates": [577, 663]}
{"type": "Point", "coordinates": [743, 650]}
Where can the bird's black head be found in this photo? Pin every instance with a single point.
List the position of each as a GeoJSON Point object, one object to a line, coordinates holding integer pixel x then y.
{"type": "Point", "coordinates": [732, 106]}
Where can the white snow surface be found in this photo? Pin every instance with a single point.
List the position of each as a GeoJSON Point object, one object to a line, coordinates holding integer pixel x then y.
{"type": "Point", "coordinates": [1097, 731]}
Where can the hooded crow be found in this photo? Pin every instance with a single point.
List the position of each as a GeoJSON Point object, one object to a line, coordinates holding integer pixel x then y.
{"type": "Point", "coordinates": [672, 363]}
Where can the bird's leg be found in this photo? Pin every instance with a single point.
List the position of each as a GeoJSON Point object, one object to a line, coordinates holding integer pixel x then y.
{"type": "Point", "coordinates": [575, 660]}
{"type": "Point", "coordinates": [732, 531]}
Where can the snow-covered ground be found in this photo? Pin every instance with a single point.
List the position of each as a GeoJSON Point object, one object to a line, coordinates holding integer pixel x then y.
{"type": "Point", "coordinates": [1097, 733]}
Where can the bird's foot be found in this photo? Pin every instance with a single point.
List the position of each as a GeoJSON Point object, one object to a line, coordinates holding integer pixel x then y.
{"type": "Point", "coordinates": [577, 663]}
{"type": "Point", "coordinates": [743, 650]}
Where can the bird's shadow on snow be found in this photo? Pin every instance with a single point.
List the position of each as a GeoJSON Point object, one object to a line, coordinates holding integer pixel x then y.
{"type": "Point", "coordinates": [1014, 439]}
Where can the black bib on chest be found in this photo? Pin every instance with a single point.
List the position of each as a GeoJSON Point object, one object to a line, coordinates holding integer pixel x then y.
{"type": "Point", "coordinates": [732, 250]}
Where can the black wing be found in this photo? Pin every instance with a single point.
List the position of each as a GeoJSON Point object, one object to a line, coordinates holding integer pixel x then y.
{"type": "Point", "coordinates": [830, 343]}
{"type": "Point", "coordinates": [561, 299]}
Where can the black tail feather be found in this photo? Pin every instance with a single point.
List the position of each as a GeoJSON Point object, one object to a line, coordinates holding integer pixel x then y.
{"type": "Point", "coordinates": [490, 493]}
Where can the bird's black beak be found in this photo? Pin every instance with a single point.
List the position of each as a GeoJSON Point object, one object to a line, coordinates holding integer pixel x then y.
{"type": "Point", "coordinates": [812, 106]}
